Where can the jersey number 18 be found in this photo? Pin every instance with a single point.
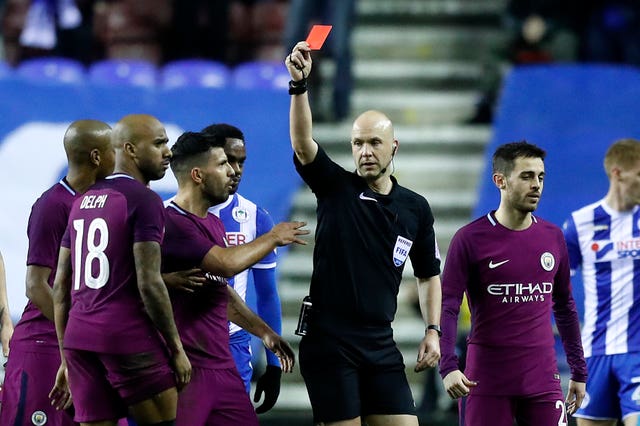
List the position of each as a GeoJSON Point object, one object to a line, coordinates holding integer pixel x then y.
{"type": "Point", "coordinates": [95, 252]}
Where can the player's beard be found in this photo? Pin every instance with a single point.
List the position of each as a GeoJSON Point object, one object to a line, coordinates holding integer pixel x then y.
{"type": "Point", "coordinates": [151, 170]}
{"type": "Point", "coordinates": [213, 196]}
{"type": "Point", "coordinates": [527, 206]}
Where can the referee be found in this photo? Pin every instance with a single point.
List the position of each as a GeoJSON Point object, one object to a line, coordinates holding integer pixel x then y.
{"type": "Point", "coordinates": [368, 226]}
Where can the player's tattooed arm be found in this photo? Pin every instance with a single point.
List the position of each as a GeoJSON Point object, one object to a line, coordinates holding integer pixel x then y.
{"type": "Point", "coordinates": [155, 298]}
{"type": "Point", "coordinates": [239, 313]}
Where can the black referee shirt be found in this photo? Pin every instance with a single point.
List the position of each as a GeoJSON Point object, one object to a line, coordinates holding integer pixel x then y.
{"type": "Point", "coordinates": [362, 242]}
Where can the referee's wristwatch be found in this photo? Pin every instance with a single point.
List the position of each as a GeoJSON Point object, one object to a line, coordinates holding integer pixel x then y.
{"type": "Point", "coordinates": [436, 328]}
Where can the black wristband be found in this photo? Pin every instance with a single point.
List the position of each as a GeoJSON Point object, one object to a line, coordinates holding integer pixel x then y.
{"type": "Point", "coordinates": [297, 87]}
{"type": "Point", "coordinates": [434, 327]}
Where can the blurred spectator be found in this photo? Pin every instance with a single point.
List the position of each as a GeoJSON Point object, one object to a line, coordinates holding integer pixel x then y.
{"type": "Point", "coordinates": [256, 30]}
{"type": "Point", "coordinates": [339, 13]}
{"type": "Point", "coordinates": [14, 15]}
{"type": "Point", "coordinates": [537, 31]}
{"type": "Point", "coordinates": [44, 27]}
{"type": "Point", "coordinates": [230, 31]}
{"type": "Point", "coordinates": [613, 32]}
{"type": "Point", "coordinates": [543, 30]}
{"type": "Point", "coordinates": [199, 29]}
{"type": "Point", "coordinates": [133, 29]}
{"type": "Point", "coordinates": [156, 31]}
{"type": "Point", "coordinates": [78, 42]}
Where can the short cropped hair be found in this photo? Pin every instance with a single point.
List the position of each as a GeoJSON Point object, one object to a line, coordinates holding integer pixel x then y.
{"type": "Point", "coordinates": [226, 130]}
{"type": "Point", "coordinates": [505, 155]}
{"type": "Point", "coordinates": [189, 149]}
{"type": "Point", "coordinates": [623, 153]}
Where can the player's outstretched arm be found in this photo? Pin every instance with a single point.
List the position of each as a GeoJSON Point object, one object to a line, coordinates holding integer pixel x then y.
{"type": "Point", "coordinates": [229, 261]}
{"type": "Point", "coordinates": [457, 384]}
{"type": "Point", "coordinates": [155, 298]}
{"type": "Point", "coordinates": [575, 395]}
{"type": "Point", "coordinates": [299, 64]}
{"type": "Point", "coordinates": [239, 312]}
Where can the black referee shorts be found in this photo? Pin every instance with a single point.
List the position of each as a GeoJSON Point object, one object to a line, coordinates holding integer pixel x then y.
{"type": "Point", "coordinates": [358, 375]}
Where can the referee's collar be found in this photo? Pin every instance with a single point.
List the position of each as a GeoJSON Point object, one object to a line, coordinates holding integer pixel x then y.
{"type": "Point", "coordinates": [394, 183]}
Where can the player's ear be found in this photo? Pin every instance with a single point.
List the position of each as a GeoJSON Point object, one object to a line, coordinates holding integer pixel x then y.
{"type": "Point", "coordinates": [94, 156]}
{"type": "Point", "coordinates": [129, 148]}
{"type": "Point", "coordinates": [196, 175]}
{"type": "Point", "coordinates": [499, 180]}
{"type": "Point", "coordinates": [615, 172]}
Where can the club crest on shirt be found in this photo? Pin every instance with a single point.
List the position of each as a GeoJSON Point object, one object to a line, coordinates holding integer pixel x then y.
{"type": "Point", "coordinates": [401, 250]}
{"type": "Point", "coordinates": [547, 261]}
{"type": "Point", "coordinates": [240, 214]}
{"type": "Point", "coordinates": [39, 418]}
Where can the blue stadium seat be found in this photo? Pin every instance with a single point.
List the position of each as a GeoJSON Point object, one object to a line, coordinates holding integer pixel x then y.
{"type": "Point", "coordinates": [5, 70]}
{"type": "Point", "coordinates": [253, 75]}
{"type": "Point", "coordinates": [194, 73]}
{"type": "Point", "coordinates": [120, 72]}
{"type": "Point", "coordinates": [52, 69]}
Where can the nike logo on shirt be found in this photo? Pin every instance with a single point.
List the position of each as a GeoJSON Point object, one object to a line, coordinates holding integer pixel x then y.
{"type": "Point", "coordinates": [495, 265]}
{"type": "Point", "coordinates": [364, 197]}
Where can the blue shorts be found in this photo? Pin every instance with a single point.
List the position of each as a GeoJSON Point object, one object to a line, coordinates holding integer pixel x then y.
{"type": "Point", "coordinates": [240, 345]}
{"type": "Point", "coordinates": [613, 387]}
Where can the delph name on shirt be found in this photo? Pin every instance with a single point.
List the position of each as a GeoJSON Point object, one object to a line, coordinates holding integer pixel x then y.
{"type": "Point", "coordinates": [93, 201]}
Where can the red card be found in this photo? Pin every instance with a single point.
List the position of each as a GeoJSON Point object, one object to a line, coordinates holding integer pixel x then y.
{"type": "Point", "coordinates": [317, 36]}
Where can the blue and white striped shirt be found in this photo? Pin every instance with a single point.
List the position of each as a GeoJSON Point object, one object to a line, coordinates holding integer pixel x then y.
{"type": "Point", "coordinates": [243, 222]}
{"type": "Point", "coordinates": [605, 244]}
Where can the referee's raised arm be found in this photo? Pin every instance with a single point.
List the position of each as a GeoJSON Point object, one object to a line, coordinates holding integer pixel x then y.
{"type": "Point", "coordinates": [299, 64]}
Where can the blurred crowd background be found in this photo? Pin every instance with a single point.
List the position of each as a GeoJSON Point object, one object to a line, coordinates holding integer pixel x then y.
{"type": "Point", "coordinates": [236, 31]}
{"type": "Point", "coordinates": [157, 31]}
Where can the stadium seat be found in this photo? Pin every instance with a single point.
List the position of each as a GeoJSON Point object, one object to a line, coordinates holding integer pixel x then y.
{"type": "Point", "coordinates": [254, 75]}
{"type": "Point", "coordinates": [52, 69]}
{"type": "Point", "coordinates": [5, 70]}
{"type": "Point", "coordinates": [123, 72]}
{"type": "Point", "coordinates": [194, 73]}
